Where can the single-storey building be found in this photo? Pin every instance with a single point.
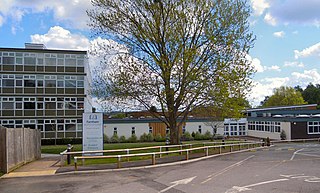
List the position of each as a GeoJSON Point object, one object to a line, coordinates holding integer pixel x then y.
{"type": "Point", "coordinates": [297, 122]}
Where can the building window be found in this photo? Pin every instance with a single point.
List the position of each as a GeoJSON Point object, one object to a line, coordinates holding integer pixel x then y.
{"type": "Point", "coordinates": [115, 131]}
{"type": "Point", "coordinates": [150, 130]}
{"type": "Point", "coordinates": [183, 129]}
{"type": "Point", "coordinates": [133, 131]}
{"type": "Point", "coordinates": [199, 129]}
{"type": "Point", "coordinates": [314, 127]}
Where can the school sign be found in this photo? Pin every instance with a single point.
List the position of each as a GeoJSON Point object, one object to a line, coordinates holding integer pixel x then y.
{"type": "Point", "coordinates": [92, 138]}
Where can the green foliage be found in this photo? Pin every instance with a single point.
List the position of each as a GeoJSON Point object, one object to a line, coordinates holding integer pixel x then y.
{"type": "Point", "coordinates": [179, 63]}
{"type": "Point", "coordinates": [207, 135]}
{"type": "Point", "coordinates": [122, 139]}
{"type": "Point", "coordinates": [146, 137]}
{"type": "Point", "coordinates": [106, 138]}
{"type": "Point", "coordinates": [312, 94]}
{"type": "Point", "coordinates": [133, 138]}
{"type": "Point", "coordinates": [198, 136]}
{"type": "Point", "coordinates": [186, 136]}
{"type": "Point", "coordinates": [159, 138]}
{"type": "Point", "coordinates": [284, 96]}
{"type": "Point", "coordinates": [114, 139]}
{"type": "Point", "coordinates": [283, 135]}
{"type": "Point", "coordinates": [193, 134]}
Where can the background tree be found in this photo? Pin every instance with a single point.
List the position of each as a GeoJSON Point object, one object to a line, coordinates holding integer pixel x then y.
{"type": "Point", "coordinates": [311, 94]}
{"type": "Point", "coordinates": [283, 96]}
{"type": "Point", "coordinates": [175, 55]}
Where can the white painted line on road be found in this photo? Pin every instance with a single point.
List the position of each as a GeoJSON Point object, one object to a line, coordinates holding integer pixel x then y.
{"type": "Point", "coordinates": [226, 169]}
{"type": "Point", "coordinates": [311, 155]}
{"type": "Point", "coordinates": [236, 189]}
{"type": "Point", "coordinates": [294, 153]}
{"type": "Point", "coordinates": [312, 179]}
{"type": "Point", "coordinates": [178, 182]}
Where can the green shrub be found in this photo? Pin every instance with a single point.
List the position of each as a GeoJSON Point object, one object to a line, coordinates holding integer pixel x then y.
{"type": "Point", "coordinates": [207, 135]}
{"type": "Point", "coordinates": [106, 139]}
{"type": "Point", "coordinates": [186, 136]}
{"type": "Point", "coordinates": [283, 135]}
{"type": "Point", "coordinates": [193, 134]}
{"type": "Point", "coordinates": [143, 137]}
{"type": "Point", "coordinates": [150, 137]}
{"type": "Point", "coordinates": [132, 139]}
{"type": "Point", "coordinates": [198, 136]}
{"type": "Point", "coordinates": [159, 138]}
{"type": "Point", "coordinates": [114, 139]}
{"type": "Point", "coordinates": [122, 139]}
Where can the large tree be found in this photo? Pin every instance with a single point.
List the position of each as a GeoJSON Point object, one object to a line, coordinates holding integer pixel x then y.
{"type": "Point", "coordinates": [311, 94]}
{"type": "Point", "coordinates": [175, 55]}
{"type": "Point", "coordinates": [283, 96]}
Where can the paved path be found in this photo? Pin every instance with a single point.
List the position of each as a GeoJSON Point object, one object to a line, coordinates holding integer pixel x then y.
{"type": "Point", "coordinates": [47, 165]}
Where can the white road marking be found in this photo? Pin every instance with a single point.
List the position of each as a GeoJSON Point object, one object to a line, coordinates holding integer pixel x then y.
{"type": "Point", "coordinates": [236, 189]}
{"type": "Point", "coordinates": [312, 179]}
{"type": "Point", "coordinates": [308, 155]}
{"type": "Point", "coordinates": [226, 169]}
{"type": "Point", "coordinates": [294, 153]}
{"type": "Point", "coordinates": [178, 182]}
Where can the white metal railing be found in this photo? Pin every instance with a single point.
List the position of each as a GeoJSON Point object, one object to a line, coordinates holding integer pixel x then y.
{"type": "Point", "coordinates": [297, 140]}
{"type": "Point", "coordinates": [154, 154]}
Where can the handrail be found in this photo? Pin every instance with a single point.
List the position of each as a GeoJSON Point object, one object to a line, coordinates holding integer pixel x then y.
{"type": "Point", "coordinates": [153, 154]}
{"type": "Point", "coordinates": [296, 140]}
{"type": "Point", "coordinates": [123, 150]}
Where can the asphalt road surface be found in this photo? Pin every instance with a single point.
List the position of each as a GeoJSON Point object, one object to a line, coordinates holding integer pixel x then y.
{"type": "Point", "coordinates": [284, 168]}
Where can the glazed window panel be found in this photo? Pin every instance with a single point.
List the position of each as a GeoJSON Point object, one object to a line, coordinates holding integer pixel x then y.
{"type": "Point", "coordinates": [8, 60]}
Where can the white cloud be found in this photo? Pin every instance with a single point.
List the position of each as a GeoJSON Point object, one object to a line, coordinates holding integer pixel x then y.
{"type": "Point", "coordinates": [270, 19]}
{"type": "Point", "coordinates": [60, 38]}
{"type": "Point", "coordinates": [294, 11]}
{"type": "Point", "coordinates": [1, 20]}
{"type": "Point", "coordinates": [259, 6]}
{"type": "Point", "coordinates": [256, 63]}
{"type": "Point", "coordinates": [313, 50]}
{"type": "Point", "coordinates": [279, 34]}
{"type": "Point", "coordinates": [303, 79]}
{"type": "Point", "coordinates": [274, 67]}
{"type": "Point", "coordinates": [264, 87]}
{"type": "Point", "coordinates": [293, 64]}
{"type": "Point", "coordinates": [70, 12]}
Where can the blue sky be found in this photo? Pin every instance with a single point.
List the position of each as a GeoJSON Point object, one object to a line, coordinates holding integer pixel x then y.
{"type": "Point", "coordinates": [286, 51]}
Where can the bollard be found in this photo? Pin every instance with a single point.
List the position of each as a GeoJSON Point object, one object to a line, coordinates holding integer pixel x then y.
{"type": "Point", "coordinates": [119, 162]}
{"type": "Point", "coordinates": [207, 151]}
{"type": "Point", "coordinates": [160, 155]}
{"type": "Point", "coordinates": [75, 164]}
{"type": "Point", "coordinates": [68, 155]}
{"type": "Point", "coordinates": [220, 150]}
{"type": "Point", "coordinates": [128, 152]}
{"type": "Point", "coordinates": [153, 159]}
{"type": "Point", "coordinates": [187, 155]}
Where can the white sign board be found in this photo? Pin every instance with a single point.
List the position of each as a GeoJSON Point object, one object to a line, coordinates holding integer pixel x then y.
{"type": "Point", "coordinates": [92, 134]}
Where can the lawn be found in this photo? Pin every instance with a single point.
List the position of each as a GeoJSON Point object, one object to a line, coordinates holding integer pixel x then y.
{"type": "Point", "coordinates": [56, 149]}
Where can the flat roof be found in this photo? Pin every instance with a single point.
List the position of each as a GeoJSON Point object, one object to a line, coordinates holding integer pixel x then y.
{"type": "Point", "coordinates": [281, 107]}
{"type": "Point", "coordinates": [43, 50]}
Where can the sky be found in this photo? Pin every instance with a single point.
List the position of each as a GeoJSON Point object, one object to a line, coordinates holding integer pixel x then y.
{"type": "Point", "coordinates": [286, 51]}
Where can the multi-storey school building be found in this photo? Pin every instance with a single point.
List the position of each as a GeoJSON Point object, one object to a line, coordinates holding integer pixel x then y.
{"type": "Point", "coordinates": [44, 89]}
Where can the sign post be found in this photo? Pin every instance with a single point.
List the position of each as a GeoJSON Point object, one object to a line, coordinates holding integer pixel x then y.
{"type": "Point", "coordinates": [92, 134]}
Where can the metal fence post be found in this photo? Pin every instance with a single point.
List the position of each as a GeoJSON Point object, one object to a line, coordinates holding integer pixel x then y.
{"type": "Point", "coordinates": [119, 161]}
{"type": "Point", "coordinates": [207, 151]}
{"type": "Point", "coordinates": [160, 155]}
{"type": "Point", "coordinates": [187, 155]}
{"type": "Point", "coordinates": [153, 159]}
{"type": "Point", "coordinates": [75, 164]}
{"type": "Point", "coordinates": [181, 149]}
{"type": "Point", "coordinates": [128, 152]}
{"type": "Point", "coordinates": [220, 147]}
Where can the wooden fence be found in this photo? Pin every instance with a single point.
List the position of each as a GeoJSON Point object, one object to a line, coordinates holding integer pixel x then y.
{"type": "Point", "coordinates": [18, 146]}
